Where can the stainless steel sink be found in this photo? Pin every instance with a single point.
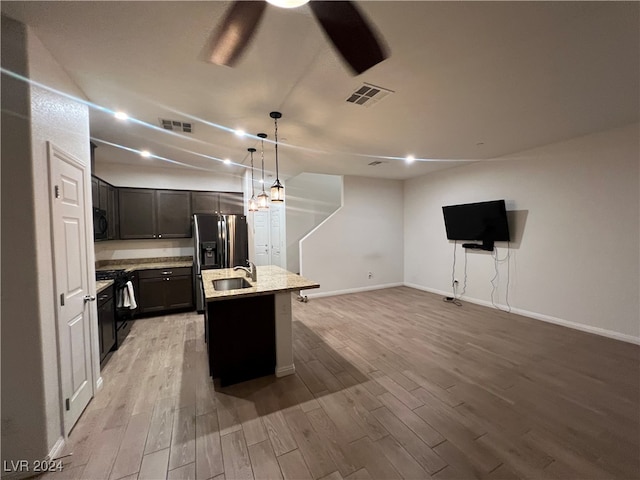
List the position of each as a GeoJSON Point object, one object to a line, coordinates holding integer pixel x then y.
{"type": "Point", "coordinates": [230, 284]}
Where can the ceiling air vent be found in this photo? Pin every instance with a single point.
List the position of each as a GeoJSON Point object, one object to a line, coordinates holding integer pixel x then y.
{"type": "Point", "coordinates": [368, 95]}
{"type": "Point", "coordinates": [176, 125]}
{"type": "Point", "coordinates": [375, 163]}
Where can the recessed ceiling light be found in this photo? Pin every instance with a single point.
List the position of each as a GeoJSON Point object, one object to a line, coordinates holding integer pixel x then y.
{"type": "Point", "coordinates": [410, 159]}
{"type": "Point", "coordinates": [240, 133]}
{"type": "Point", "coordinates": [227, 161]}
{"type": "Point", "coordinates": [121, 116]}
{"type": "Point", "coordinates": [145, 153]}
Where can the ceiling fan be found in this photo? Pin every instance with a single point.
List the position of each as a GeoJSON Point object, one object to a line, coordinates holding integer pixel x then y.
{"type": "Point", "coordinates": [341, 21]}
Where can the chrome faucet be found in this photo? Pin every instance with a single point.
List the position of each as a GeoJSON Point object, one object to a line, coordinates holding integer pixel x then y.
{"type": "Point", "coordinates": [250, 270]}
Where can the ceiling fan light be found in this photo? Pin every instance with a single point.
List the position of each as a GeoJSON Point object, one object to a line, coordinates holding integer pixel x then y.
{"type": "Point", "coordinates": [288, 3]}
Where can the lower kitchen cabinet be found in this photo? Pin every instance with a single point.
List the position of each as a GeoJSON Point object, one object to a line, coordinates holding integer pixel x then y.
{"type": "Point", "coordinates": [165, 289]}
{"type": "Point", "coordinates": [106, 322]}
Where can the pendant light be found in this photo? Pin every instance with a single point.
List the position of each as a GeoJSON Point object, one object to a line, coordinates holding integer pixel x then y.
{"type": "Point", "coordinates": [263, 198]}
{"type": "Point", "coordinates": [253, 203]}
{"type": "Point", "coordinates": [277, 190]}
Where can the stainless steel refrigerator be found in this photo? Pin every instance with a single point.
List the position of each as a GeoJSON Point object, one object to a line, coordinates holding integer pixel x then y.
{"type": "Point", "coordinates": [220, 241]}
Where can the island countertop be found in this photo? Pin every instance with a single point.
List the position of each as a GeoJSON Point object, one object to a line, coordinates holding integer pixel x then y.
{"type": "Point", "coordinates": [271, 280]}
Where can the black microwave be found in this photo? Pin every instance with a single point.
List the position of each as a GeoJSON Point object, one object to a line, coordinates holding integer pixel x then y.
{"type": "Point", "coordinates": [100, 224]}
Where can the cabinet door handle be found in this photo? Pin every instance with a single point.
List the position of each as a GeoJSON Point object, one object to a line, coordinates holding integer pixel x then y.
{"type": "Point", "coordinates": [167, 273]}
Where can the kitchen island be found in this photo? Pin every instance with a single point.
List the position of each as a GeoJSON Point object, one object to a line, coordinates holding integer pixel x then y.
{"type": "Point", "coordinates": [249, 330]}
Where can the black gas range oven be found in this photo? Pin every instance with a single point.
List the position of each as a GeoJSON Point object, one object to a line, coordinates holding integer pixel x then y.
{"type": "Point", "coordinates": [124, 313]}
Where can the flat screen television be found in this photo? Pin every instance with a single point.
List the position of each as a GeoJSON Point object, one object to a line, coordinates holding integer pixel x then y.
{"type": "Point", "coordinates": [483, 221]}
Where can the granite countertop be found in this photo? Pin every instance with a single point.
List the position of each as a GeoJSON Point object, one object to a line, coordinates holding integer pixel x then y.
{"type": "Point", "coordinates": [271, 279]}
{"type": "Point", "coordinates": [102, 284]}
{"type": "Point", "coordinates": [132, 264]}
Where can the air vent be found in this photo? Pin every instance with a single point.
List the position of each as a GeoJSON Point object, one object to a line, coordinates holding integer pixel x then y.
{"type": "Point", "coordinates": [375, 163]}
{"type": "Point", "coordinates": [368, 95]}
{"type": "Point", "coordinates": [176, 125]}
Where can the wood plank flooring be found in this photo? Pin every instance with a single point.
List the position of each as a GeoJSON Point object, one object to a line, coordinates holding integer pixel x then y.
{"type": "Point", "coordinates": [389, 384]}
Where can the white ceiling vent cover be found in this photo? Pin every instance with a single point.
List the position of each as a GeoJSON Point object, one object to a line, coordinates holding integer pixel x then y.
{"type": "Point", "coordinates": [176, 125]}
{"type": "Point", "coordinates": [368, 95]}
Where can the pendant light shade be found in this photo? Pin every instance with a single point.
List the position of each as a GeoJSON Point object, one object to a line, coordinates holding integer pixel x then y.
{"type": "Point", "coordinates": [277, 189]}
{"type": "Point", "coordinates": [263, 198]}
{"type": "Point", "coordinates": [253, 203]}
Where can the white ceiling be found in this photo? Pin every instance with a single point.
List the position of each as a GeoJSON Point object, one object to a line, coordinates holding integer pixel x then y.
{"type": "Point", "coordinates": [472, 81]}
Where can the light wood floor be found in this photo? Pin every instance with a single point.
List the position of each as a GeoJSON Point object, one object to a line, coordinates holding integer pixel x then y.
{"type": "Point", "coordinates": [390, 384]}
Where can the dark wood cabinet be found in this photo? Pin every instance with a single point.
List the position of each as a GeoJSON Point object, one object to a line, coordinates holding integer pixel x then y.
{"type": "Point", "coordinates": [241, 338]}
{"type": "Point", "coordinates": [173, 213]}
{"type": "Point", "coordinates": [105, 197]}
{"type": "Point", "coordinates": [106, 322]}
{"type": "Point", "coordinates": [137, 208]}
{"type": "Point", "coordinates": [95, 192]}
{"type": "Point", "coordinates": [205, 202]}
{"type": "Point", "coordinates": [112, 213]}
{"type": "Point", "coordinates": [148, 213]}
{"type": "Point", "coordinates": [165, 289]}
{"type": "Point", "coordinates": [231, 203]}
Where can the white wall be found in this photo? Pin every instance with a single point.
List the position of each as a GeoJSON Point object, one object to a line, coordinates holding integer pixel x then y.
{"type": "Point", "coordinates": [122, 175]}
{"type": "Point", "coordinates": [311, 197]}
{"type": "Point", "coordinates": [575, 255]}
{"type": "Point", "coordinates": [364, 235]}
{"type": "Point", "coordinates": [31, 404]}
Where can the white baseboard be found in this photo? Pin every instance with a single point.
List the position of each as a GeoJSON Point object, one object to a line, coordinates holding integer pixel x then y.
{"type": "Point", "coordinates": [56, 451]}
{"type": "Point", "coordinates": [539, 316]}
{"type": "Point", "coordinates": [354, 290]}
{"type": "Point", "coordinates": [286, 370]}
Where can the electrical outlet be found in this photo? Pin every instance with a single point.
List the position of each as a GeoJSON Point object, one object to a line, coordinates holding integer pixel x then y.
{"type": "Point", "coordinates": [370, 275]}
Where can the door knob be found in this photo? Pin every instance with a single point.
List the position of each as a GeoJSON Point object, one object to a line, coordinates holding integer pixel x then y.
{"type": "Point", "coordinates": [89, 298]}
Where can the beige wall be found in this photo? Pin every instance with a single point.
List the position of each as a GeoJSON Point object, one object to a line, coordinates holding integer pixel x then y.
{"type": "Point", "coordinates": [364, 235]}
{"type": "Point", "coordinates": [575, 257]}
{"type": "Point", "coordinates": [31, 404]}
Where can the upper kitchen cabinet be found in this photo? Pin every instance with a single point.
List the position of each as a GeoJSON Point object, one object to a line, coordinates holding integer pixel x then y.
{"type": "Point", "coordinates": [230, 203]}
{"type": "Point", "coordinates": [205, 202]}
{"type": "Point", "coordinates": [137, 208]}
{"type": "Point", "coordinates": [104, 196]}
{"type": "Point", "coordinates": [173, 213]}
{"type": "Point", "coordinates": [95, 192]}
{"type": "Point", "coordinates": [148, 213]}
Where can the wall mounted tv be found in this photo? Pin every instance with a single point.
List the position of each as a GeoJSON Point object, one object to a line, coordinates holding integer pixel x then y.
{"type": "Point", "coordinates": [483, 221]}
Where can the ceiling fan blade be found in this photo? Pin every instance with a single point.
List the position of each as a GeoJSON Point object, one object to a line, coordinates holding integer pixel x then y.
{"type": "Point", "coordinates": [229, 40]}
{"type": "Point", "coordinates": [350, 33]}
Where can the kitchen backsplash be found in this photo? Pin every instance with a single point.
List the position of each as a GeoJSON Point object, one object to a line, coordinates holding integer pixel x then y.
{"type": "Point", "coordinates": [125, 249]}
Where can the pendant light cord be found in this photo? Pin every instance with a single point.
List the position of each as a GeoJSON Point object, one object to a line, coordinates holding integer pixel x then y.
{"type": "Point", "coordinates": [262, 156]}
{"type": "Point", "coordinates": [252, 181]}
{"type": "Point", "coordinates": [276, 139]}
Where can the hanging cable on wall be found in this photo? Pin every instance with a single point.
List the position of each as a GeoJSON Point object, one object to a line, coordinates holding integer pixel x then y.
{"type": "Point", "coordinates": [496, 277]}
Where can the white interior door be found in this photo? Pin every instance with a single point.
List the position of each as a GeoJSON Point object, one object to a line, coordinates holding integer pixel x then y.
{"type": "Point", "coordinates": [277, 220]}
{"type": "Point", "coordinates": [261, 238]}
{"type": "Point", "coordinates": [68, 188]}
